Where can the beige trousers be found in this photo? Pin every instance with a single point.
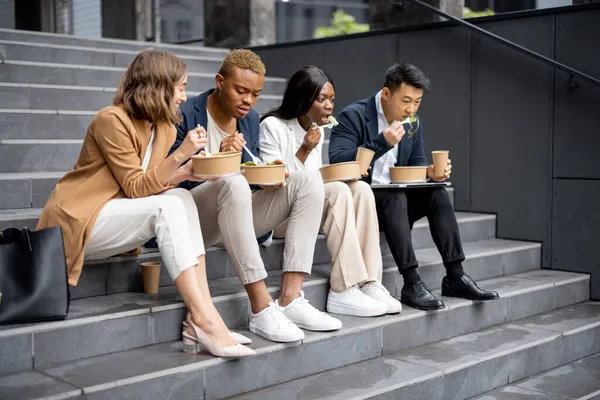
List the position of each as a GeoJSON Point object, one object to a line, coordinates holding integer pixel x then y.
{"type": "Point", "coordinates": [171, 217]}
{"type": "Point", "coordinates": [233, 216]}
{"type": "Point", "coordinates": [349, 221]}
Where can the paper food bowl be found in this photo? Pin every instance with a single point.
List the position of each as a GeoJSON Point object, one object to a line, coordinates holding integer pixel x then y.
{"type": "Point", "coordinates": [217, 164]}
{"type": "Point", "coordinates": [264, 174]}
{"type": "Point", "coordinates": [408, 174]}
{"type": "Point", "coordinates": [348, 171]}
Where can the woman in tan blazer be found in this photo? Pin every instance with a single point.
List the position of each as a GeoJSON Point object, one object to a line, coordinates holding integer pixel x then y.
{"type": "Point", "coordinates": [122, 192]}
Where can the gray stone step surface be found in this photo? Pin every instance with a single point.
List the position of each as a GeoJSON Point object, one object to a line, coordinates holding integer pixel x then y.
{"type": "Point", "coordinates": [485, 259]}
{"type": "Point", "coordinates": [84, 75]}
{"type": "Point", "coordinates": [472, 226]}
{"type": "Point", "coordinates": [31, 189]}
{"type": "Point", "coordinates": [578, 380]}
{"type": "Point", "coordinates": [455, 368]}
{"type": "Point", "coordinates": [157, 318]}
{"type": "Point", "coordinates": [26, 189]}
{"type": "Point", "coordinates": [24, 51]}
{"type": "Point", "coordinates": [23, 124]}
{"type": "Point", "coordinates": [81, 98]}
{"type": "Point", "coordinates": [355, 362]}
{"type": "Point", "coordinates": [103, 43]}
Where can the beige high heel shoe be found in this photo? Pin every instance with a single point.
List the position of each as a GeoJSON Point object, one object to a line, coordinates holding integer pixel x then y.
{"type": "Point", "coordinates": [193, 345]}
{"type": "Point", "coordinates": [241, 339]}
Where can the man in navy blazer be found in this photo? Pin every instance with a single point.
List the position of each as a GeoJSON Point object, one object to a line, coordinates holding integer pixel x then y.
{"type": "Point", "coordinates": [387, 123]}
{"type": "Point", "coordinates": [233, 214]}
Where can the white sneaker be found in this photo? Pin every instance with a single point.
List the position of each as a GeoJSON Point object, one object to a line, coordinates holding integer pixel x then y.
{"type": "Point", "coordinates": [306, 316]}
{"type": "Point", "coordinates": [354, 302]}
{"type": "Point", "coordinates": [377, 291]}
{"type": "Point", "coordinates": [272, 324]}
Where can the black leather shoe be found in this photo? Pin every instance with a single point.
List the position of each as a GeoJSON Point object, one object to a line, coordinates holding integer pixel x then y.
{"type": "Point", "coordinates": [418, 296]}
{"type": "Point", "coordinates": [466, 288]}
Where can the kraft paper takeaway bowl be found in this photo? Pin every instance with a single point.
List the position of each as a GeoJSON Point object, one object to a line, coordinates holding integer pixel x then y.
{"type": "Point", "coordinates": [216, 165]}
{"type": "Point", "coordinates": [265, 175]}
{"type": "Point", "coordinates": [408, 174]}
{"type": "Point", "coordinates": [347, 171]}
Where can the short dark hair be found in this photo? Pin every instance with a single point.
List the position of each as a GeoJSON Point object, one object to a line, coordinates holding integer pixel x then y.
{"type": "Point", "coordinates": [400, 73]}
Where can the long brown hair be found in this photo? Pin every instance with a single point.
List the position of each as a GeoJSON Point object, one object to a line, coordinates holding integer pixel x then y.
{"type": "Point", "coordinates": [147, 88]}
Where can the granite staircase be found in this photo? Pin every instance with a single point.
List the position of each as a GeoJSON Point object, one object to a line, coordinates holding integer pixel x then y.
{"type": "Point", "coordinates": [118, 343]}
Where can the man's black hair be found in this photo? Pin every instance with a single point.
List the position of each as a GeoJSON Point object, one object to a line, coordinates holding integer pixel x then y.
{"type": "Point", "coordinates": [400, 73]}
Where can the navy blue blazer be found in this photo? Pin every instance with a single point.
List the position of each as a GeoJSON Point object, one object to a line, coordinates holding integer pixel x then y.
{"type": "Point", "coordinates": [194, 114]}
{"type": "Point", "coordinates": [358, 127]}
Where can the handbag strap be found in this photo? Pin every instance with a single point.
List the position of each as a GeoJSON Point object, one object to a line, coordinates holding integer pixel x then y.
{"type": "Point", "coordinates": [12, 235]}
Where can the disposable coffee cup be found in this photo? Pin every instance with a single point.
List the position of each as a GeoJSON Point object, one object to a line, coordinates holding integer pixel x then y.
{"type": "Point", "coordinates": [364, 157]}
{"type": "Point", "coordinates": [440, 162]}
{"type": "Point", "coordinates": [151, 277]}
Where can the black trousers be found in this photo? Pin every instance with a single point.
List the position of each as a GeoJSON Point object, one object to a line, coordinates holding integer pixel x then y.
{"type": "Point", "coordinates": [397, 211]}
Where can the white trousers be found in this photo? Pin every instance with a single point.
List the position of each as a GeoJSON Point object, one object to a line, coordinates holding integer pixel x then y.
{"type": "Point", "coordinates": [171, 217]}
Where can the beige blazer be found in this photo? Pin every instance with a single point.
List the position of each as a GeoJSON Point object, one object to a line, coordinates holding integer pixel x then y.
{"type": "Point", "coordinates": [109, 167]}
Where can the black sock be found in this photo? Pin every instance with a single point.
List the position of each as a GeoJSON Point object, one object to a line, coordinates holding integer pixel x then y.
{"type": "Point", "coordinates": [455, 271]}
{"type": "Point", "coordinates": [411, 276]}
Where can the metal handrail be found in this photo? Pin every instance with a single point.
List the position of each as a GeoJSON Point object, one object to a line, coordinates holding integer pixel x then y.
{"type": "Point", "coordinates": [571, 71]}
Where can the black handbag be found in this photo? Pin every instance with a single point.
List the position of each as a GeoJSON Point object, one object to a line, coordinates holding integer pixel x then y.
{"type": "Point", "coordinates": [33, 275]}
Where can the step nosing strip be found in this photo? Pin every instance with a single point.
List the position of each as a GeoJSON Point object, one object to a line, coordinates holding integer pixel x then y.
{"type": "Point", "coordinates": [591, 396]}
{"type": "Point", "coordinates": [530, 289]}
{"type": "Point", "coordinates": [40, 141]}
{"type": "Point", "coordinates": [107, 40]}
{"type": "Point", "coordinates": [575, 279]}
{"type": "Point", "coordinates": [581, 329]}
{"type": "Point", "coordinates": [102, 50]}
{"type": "Point", "coordinates": [42, 64]}
{"type": "Point", "coordinates": [27, 111]}
{"type": "Point", "coordinates": [492, 356]}
{"type": "Point", "coordinates": [70, 323]}
{"type": "Point", "coordinates": [420, 379]}
{"type": "Point", "coordinates": [200, 365]}
{"type": "Point", "coordinates": [55, 87]}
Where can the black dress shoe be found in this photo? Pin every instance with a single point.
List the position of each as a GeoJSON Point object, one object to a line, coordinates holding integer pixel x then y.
{"type": "Point", "coordinates": [418, 296]}
{"type": "Point", "coordinates": [466, 288]}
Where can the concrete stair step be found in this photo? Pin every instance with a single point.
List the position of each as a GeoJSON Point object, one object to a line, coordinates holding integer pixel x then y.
{"type": "Point", "coordinates": [152, 319]}
{"type": "Point", "coordinates": [360, 359]}
{"type": "Point", "coordinates": [485, 259]}
{"type": "Point", "coordinates": [24, 124]}
{"type": "Point", "coordinates": [472, 226]}
{"type": "Point", "coordinates": [102, 43]}
{"type": "Point", "coordinates": [81, 98]}
{"type": "Point", "coordinates": [83, 75]}
{"type": "Point", "coordinates": [455, 368]}
{"type": "Point", "coordinates": [577, 380]}
{"type": "Point", "coordinates": [101, 57]}
{"type": "Point", "coordinates": [35, 187]}
{"type": "Point", "coordinates": [26, 190]}
{"type": "Point", "coordinates": [31, 189]}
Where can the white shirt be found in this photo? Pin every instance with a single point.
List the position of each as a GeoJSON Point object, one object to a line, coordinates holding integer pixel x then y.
{"type": "Point", "coordinates": [148, 154]}
{"type": "Point", "coordinates": [381, 168]}
{"type": "Point", "coordinates": [281, 139]}
{"type": "Point", "coordinates": [215, 135]}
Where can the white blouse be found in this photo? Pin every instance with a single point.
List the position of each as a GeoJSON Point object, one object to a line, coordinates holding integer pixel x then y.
{"type": "Point", "coordinates": [148, 154]}
{"type": "Point", "coordinates": [281, 139]}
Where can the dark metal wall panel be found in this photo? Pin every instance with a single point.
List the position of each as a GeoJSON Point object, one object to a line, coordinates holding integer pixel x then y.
{"type": "Point", "coordinates": [357, 66]}
{"type": "Point", "coordinates": [445, 57]}
{"type": "Point", "coordinates": [511, 143]}
{"type": "Point", "coordinates": [576, 119]}
{"type": "Point", "coordinates": [576, 129]}
{"type": "Point", "coordinates": [576, 223]}
{"type": "Point", "coordinates": [577, 40]}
